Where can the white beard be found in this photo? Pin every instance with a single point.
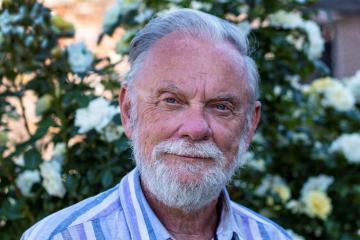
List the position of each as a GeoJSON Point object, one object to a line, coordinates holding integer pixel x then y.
{"type": "Point", "coordinates": [166, 181]}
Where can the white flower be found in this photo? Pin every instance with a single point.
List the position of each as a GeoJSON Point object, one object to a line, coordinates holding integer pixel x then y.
{"type": "Point", "coordinates": [264, 186]}
{"type": "Point", "coordinates": [317, 204]}
{"type": "Point", "coordinates": [339, 97]}
{"type": "Point", "coordinates": [6, 20]}
{"type": "Point", "coordinates": [300, 137]}
{"type": "Point", "coordinates": [143, 16]}
{"type": "Point", "coordinates": [275, 185]}
{"type": "Point", "coordinates": [320, 85]}
{"type": "Point", "coordinates": [112, 132]}
{"type": "Point", "coordinates": [26, 180]}
{"type": "Point", "coordinates": [200, 5]}
{"type": "Point", "coordinates": [285, 19]}
{"type": "Point", "coordinates": [316, 41]}
{"type": "Point", "coordinates": [115, 11]}
{"type": "Point", "coordinates": [353, 85]}
{"type": "Point", "coordinates": [111, 17]}
{"type": "Point", "coordinates": [245, 27]}
{"type": "Point", "coordinates": [283, 191]}
{"type": "Point", "coordinates": [80, 59]}
{"type": "Point", "coordinates": [52, 182]}
{"type": "Point", "coordinates": [314, 200]}
{"type": "Point", "coordinates": [335, 94]}
{"type": "Point", "coordinates": [12, 201]}
{"type": "Point", "coordinates": [291, 20]}
{"type": "Point", "coordinates": [296, 41]}
{"type": "Point", "coordinates": [295, 206]}
{"type": "Point", "coordinates": [257, 164]}
{"type": "Point", "coordinates": [59, 149]}
{"type": "Point", "coordinates": [58, 152]}
{"type": "Point", "coordinates": [20, 161]}
{"type": "Point", "coordinates": [294, 81]}
{"type": "Point", "coordinates": [259, 138]}
{"type": "Point", "coordinates": [349, 145]}
{"type": "Point", "coordinates": [318, 183]}
{"type": "Point", "coordinates": [277, 90]}
{"type": "Point", "coordinates": [96, 116]}
{"type": "Point", "coordinates": [9, 23]}
{"type": "Point", "coordinates": [293, 235]}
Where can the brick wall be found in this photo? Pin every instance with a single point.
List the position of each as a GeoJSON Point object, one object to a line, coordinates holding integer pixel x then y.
{"type": "Point", "coordinates": [346, 46]}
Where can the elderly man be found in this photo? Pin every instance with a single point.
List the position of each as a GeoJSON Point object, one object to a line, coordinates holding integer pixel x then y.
{"type": "Point", "coordinates": [189, 106]}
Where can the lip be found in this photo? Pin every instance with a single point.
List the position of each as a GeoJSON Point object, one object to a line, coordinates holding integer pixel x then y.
{"type": "Point", "coordinates": [188, 157]}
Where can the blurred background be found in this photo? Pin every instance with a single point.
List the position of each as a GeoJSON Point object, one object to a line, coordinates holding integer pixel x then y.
{"type": "Point", "coordinates": [61, 140]}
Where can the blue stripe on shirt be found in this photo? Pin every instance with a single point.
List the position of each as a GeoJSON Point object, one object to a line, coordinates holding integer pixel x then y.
{"type": "Point", "coordinates": [97, 229]}
{"type": "Point", "coordinates": [146, 218]}
{"type": "Point", "coordinates": [71, 218]}
{"type": "Point", "coordinates": [245, 221]}
{"type": "Point", "coordinates": [66, 235]}
{"type": "Point", "coordinates": [263, 231]}
{"type": "Point", "coordinates": [133, 225]}
{"type": "Point", "coordinates": [267, 220]}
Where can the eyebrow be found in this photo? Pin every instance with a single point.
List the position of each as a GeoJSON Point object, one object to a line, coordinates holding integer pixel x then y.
{"type": "Point", "coordinates": [169, 88]}
{"type": "Point", "coordinates": [235, 99]}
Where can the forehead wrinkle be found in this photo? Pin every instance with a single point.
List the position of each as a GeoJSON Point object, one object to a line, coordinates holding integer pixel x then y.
{"type": "Point", "coordinates": [163, 57]}
{"type": "Point", "coordinates": [172, 87]}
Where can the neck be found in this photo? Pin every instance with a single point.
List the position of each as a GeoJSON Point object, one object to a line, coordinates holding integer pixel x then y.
{"type": "Point", "coordinates": [199, 224]}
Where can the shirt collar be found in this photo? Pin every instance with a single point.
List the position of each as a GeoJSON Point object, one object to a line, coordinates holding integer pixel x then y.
{"type": "Point", "coordinates": [143, 222]}
{"type": "Point", "coordinates": [228, 226]}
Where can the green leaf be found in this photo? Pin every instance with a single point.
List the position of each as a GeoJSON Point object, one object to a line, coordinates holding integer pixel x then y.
{"type": "Point", "coordinates": [11, 211]}
{"type": "Point", "coordinates": [71, 183]}
{"type": "Point", "coordinates": [32, 159]}
{"type": "Point", "coordinates": [91, 176]}
{"type": "Point", "coordinates": [107, 178]}
{"type": "Point", "coordinates": [76, 97]}
{"type": "Point", "coordinates": [122, 145]}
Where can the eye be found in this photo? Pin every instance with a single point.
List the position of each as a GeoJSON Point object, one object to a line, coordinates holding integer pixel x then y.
{"type": "Point", "coordinates": [221, 107]}
{"type": "Point", "coordinates": [170, 100]}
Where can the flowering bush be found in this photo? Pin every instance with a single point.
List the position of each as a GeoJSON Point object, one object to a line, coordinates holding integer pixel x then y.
{"type": "Point", "coordinates": [304, 160]}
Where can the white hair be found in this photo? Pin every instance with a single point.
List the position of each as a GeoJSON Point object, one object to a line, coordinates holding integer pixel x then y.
{"type": "Point", "coordinates": [191, 23]}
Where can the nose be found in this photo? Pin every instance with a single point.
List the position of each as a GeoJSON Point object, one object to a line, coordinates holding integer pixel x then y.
{"type": "Point", "coordinates": [195, 126]}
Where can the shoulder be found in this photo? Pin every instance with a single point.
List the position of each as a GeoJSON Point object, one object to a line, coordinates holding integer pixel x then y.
{"type": "Point", "coordinates": [87, 211]}
{"type": "Point", "coordinates": [257, 225]}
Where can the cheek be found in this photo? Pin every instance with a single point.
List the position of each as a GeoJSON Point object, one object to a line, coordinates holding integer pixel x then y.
{"type": "Point", "coordinates": [154, 127]}
{"type": "Point", "coordinates": [227, 137]}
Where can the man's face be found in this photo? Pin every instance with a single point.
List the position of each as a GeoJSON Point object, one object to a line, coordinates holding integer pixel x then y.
{"type": "Point", "coordinates": [193, 91]}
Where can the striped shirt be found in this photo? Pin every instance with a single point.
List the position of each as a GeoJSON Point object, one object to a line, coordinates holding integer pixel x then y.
{"type": "Point", "coordinates": [123, 212]}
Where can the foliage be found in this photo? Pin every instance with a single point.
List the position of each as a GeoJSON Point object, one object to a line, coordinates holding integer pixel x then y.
{"type": "Point", "coordinates": [304, 160]}
{"type": "Point", "coordinates": [33, 64]}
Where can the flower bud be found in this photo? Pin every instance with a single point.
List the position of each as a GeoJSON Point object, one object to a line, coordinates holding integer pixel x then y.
{"type": "Point", "coordinates": [61, 25]}
{"type": "Point", "coordinates": [3, 138]}
{"type": "Point", "coordinates": [43, 104]}
{"type": "Point", "coordinates": [56, 52]}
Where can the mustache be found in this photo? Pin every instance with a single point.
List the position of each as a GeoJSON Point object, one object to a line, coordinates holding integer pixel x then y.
{"type": "Point", "coordinates": [183, 147]}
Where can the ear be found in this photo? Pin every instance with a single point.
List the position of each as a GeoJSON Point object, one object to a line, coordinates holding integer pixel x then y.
{"type": "Point", "coordinates": [125, 107]}
{"type": "Point", "coordinates": [255, 119]}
